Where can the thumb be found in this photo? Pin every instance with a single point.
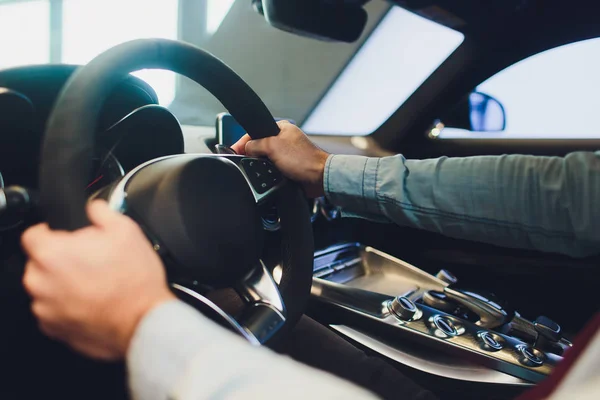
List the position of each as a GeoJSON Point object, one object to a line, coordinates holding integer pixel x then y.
{"type": "Point", "coordinates": [259, 147]}
{"type": "Point", "coordinates": [101, 215]}
{"type": "Point", "coordinates": [240, 145]}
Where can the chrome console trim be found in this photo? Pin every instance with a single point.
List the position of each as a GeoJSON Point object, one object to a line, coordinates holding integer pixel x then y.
{"type": "Point", "coordinates": [368, 311]}
{"type": "Point", "coordinates": [359, 294]}
{"type": "Point", "coordinates": [370, 269]}
{"type": "Point", "coordinates": [430, 361]}
{"type": "Point", "coordinates": [426, 281]}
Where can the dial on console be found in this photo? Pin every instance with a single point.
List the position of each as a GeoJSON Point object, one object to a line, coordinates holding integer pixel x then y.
{"type": "Point", "coordinates": [403, 308]}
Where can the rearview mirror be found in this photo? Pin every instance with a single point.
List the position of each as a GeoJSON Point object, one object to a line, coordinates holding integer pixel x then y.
{"type": "Point", "coordinates": [477, 112]}
{"type": "Point", "coordinates": [318, 19]}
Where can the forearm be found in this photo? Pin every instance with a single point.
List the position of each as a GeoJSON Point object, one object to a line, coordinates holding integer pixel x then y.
{"type": "Point", "coordinates": [543, 203]}
{"type": "Point", "coordinates": [179, 354]}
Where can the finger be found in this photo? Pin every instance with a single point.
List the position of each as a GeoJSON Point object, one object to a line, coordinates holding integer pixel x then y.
{"type": "Point", "coordinates": [283, 123]}
{"type": "Point", "coordinates": [48, 322]}
{"type": "Point", "coordinates": [258, 148]}
{"type": "Point", "coordinates": [101, 215]}
{"type": "Point", "coordinates": [51, 322]}
{"type": "Point", "coordinates": [33, 278]}
{"type": "Point", "coordinates": [40, 243]}
{"type": "Point", "coordinates": [32, 237]}
{"type": "Point", "coordinates": [49, 329]}
{"type": "Point", "coordinates": [240, 146]}
{"type": "Point", "coordinates": [42, 311]}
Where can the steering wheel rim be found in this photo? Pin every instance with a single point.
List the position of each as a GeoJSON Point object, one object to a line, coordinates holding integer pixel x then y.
{"type": "Point", "coordinates": [69, 144]}
{"type": "Point", "coordinates": [69, 141]}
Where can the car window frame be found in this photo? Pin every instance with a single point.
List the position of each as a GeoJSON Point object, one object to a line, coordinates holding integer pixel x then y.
{"type": "Point", "coordinates": [472, 63]}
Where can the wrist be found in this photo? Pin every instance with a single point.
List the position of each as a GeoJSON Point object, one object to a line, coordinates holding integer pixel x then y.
{"type": "Point", "coordinates": [316, 188]}
{"type": "Point", "coordinates": [127, 326]}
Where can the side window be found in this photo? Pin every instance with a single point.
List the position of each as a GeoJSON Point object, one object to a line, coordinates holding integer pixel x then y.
{"type": "Point", "coordinates": [553, 94]}
{"type": "Point", "coordinates": [18, 47]}
{"type": "Point", "coordinates": [84, 33]}
{"type": "Point", "coordinates": [31, 33]}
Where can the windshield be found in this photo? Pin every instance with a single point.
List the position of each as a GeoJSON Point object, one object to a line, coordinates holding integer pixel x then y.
{"type": "Point", "coordinates": [358, 85]}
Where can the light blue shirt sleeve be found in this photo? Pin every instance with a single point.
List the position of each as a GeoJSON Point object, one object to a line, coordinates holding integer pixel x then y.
{"type": "Point", "coordinates": [179, 354]}
{"type": "Point", "coordinates": [549, 204]}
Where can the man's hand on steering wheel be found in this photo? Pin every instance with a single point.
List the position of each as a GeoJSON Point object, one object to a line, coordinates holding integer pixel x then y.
{"type": "Point", "coordinates": [293, 154]}
{"type": "Point", "coordinates": [91, 287]}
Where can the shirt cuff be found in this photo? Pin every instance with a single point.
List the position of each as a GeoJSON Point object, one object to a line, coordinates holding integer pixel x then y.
{"type": "Point", "coordinates": [164, 344]}
{"type": "Point", "coordinates": [351, 183]}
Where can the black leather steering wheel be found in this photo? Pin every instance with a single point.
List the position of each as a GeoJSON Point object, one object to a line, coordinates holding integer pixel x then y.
{"type": "Point", "coordinates": [200, 211]}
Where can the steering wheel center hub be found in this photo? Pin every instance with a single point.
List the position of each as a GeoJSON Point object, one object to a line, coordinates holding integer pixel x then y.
{"type": "Point", "coordinates": [203, 212]}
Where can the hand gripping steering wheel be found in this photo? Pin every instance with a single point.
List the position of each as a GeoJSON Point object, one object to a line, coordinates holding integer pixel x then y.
{"type": "Point", "coordinates": [200, 211]}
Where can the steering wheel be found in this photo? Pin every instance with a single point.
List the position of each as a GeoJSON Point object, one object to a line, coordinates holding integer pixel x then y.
{"type": "Point", "coordinates": [200, 211]}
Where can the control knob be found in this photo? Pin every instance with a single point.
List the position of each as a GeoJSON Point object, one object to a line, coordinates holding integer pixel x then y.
{"type": "Point", "coordinates": [403, 308]}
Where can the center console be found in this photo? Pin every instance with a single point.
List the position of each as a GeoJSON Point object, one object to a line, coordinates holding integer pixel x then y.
{"type": "Point", "coordinates": [429, 322]}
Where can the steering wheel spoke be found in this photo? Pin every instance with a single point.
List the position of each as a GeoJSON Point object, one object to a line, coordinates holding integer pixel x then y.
{"type": "Point", "coordinates": [213, 311]}
{"type": "Point", "coordinates": [265, 312]}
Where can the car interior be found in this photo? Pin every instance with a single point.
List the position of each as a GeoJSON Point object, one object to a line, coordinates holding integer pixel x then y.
{"type": "Point", "coordinates": [243, 244]}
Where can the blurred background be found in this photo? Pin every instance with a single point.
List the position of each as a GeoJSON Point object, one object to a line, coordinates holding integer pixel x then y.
{"type": "Point", "coordinates": [329, 88]}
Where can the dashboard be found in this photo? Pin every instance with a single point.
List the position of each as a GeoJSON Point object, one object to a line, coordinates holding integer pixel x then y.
{"type": "Point", "coordinates": [132, 129]}
{"type": "Point", "coordinates": [148, 132]}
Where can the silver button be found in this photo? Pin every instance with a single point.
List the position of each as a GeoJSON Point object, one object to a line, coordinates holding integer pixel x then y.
{"type": "Point", "coordinates": [489, 342]}
{"type": "Point", "coordinates": [530, 356]}
{"type": "Point", "coordinates": [445, 325]}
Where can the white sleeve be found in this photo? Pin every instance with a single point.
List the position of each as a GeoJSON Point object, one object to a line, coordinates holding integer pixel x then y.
{"type": "Point", "coordinates": [177, 353]}
{"type": "Point", "coordinates": [582, 381]}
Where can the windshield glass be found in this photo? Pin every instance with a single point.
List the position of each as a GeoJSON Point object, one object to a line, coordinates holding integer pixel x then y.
{"type": "Point", "coordinates": [357, 85]}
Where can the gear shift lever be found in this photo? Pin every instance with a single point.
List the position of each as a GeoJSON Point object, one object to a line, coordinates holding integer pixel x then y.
{"type": "Point", "coordinates": [547, 329]}
{"type": "Point", "coordinates": [491, 315]}
{"type": "Point", "coordinates": [550, 335]}
{"type": "Point", "coordinates": [543, 334]}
